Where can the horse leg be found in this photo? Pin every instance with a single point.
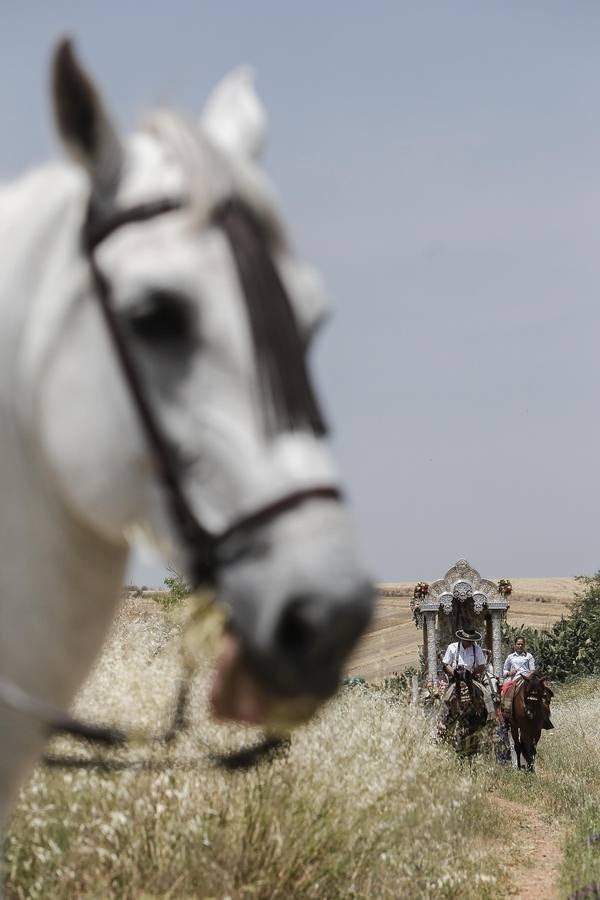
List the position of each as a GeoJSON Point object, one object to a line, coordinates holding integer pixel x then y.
{"type": "Point", "coordinates": [531, 761]}
{"type": "Point", "coordinates": [534, 742]}
{"type": "Point", "coordinates": [529, 749]}
{"type": "Point", "coordinates": [514, 730]}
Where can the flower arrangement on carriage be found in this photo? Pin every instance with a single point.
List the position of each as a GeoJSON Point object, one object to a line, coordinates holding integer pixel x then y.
{"type": "Point", "coordinates": [420, 591]}
{"type": "Point", "coordinates": [505, 587]}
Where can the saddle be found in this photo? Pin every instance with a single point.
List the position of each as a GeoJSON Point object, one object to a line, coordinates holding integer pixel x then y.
{"type": "Point", "coordinates": [478, 689]}
{"type": "Point", "coordinates": [509, 695]}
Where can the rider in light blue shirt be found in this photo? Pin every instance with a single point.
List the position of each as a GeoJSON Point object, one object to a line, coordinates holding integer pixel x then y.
{"type": "Point", "coordinates": [520, 662]}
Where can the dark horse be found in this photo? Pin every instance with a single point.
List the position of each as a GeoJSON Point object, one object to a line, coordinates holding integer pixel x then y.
{"type": "Point", "coordinates": [467, 713]}
{"type": "Point", "coordinates": [531, 701]}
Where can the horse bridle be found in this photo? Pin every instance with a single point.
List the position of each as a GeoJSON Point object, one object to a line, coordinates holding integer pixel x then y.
{"type": "Point", "coordinates": [203, 547]}
{"type": "Point", "coordinates": [528, 698]}
{"type": "Point", "coordinates": [207, 551]}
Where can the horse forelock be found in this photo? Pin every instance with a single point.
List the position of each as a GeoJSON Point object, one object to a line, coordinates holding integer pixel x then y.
{"type": "Point", "coordinates": [533, 685]}
{"type": "Point", "coordinates": [210, 176]}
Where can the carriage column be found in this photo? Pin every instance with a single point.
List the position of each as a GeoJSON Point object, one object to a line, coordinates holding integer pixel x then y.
{"type": "Point", "coordinates": [497, 641]}
{"type": "Point", "coordinates": [431, 645]}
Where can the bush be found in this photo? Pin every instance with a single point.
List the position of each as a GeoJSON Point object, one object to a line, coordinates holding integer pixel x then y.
{"type": "Point", "coordinates": [572, 646]}
{"type": "Point", "coordinates": [401, 682]}
{"type": "Point", "coordinates": [177, 589]}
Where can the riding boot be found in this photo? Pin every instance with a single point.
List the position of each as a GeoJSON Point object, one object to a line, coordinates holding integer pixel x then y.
{"type": "Point", "coordinates": [547, 726]}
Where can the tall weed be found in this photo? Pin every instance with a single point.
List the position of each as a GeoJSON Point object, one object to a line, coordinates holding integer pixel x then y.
{"type": "Point", "coordinates": [364, 805]}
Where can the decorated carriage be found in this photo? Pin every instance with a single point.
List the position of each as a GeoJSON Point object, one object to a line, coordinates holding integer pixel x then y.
{"type": "Point", "coordinates": [460, 601]}
{"type": "Point", "coordinates": [462, 598]}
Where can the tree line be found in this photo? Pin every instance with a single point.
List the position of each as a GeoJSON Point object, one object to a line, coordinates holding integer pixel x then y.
{"type": "Point", "coordinates": [571, 648]}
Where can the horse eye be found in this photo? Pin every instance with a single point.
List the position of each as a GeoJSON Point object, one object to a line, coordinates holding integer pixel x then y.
{"type": "Point", "coordinates": [162, 317]}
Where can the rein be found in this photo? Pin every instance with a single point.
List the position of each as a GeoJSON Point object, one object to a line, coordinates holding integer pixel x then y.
{"type": "Point", "coordinates": [207, 551]}
{"type": "Point", "coordinates": [57, 722]}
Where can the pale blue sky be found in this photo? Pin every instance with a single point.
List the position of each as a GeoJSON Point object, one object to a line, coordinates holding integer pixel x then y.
{"type": "Point", "coordinates": [440, 162]}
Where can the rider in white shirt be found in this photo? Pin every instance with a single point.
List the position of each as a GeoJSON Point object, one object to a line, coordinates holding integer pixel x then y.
{"type": "Point", "coordinates": [465, 653]}
{"type": "Point", "coordinates": [520, 662]}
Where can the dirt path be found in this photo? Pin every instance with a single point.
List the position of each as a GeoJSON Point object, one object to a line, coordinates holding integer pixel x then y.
{"type": "Point", "coordinates": [536, 854]}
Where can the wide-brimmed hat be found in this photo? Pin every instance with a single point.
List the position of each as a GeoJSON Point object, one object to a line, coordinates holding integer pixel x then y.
{"type": "Point", "coordinates": [468, 634]}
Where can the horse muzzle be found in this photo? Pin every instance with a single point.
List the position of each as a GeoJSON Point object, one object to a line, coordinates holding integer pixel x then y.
{"type": "Point", "coordinates": [531, 712]}
{"type": "Point", "coordinates": [288, 677]}
{"type": "Point", "coordinates": [297, 610]}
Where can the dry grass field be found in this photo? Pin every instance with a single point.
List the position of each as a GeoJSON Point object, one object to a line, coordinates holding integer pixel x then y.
{"type": "Point", "coordinates": [358, 808]}
{"type": "Point", "coordinates": [365, 804]}
{"type": "Point", "coordinates": [392, 642]}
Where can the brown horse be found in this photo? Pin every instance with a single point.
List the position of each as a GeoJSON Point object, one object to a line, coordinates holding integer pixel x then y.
{"type": "Point", "coordinates": [529, 706]}
{"type": "Point", "coordinates": [466, 713]}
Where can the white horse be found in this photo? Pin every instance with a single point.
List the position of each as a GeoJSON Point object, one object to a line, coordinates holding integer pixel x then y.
{"type": "Point", "coordinates": [154, 327]}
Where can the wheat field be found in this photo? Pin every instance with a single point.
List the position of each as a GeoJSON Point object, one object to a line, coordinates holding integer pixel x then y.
{"type": "Point", "coordinates": [392, 641]}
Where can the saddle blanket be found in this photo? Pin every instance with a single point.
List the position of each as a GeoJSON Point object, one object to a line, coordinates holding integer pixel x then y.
{"type": "Point", "coordinates": [487, 697]}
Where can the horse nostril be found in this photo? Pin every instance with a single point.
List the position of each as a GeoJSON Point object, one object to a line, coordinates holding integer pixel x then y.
{"type": "Point", "coordinates": [295, 633]}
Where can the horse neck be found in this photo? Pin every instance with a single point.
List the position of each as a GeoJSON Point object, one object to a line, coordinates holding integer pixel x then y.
{"type": "Point", "coordinates": [59, 580]}
{"type": "Point", "coordinates": [40, 221]}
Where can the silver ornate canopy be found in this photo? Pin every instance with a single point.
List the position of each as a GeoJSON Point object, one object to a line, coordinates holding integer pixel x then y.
{"type": "Point", "coordinates": [462, 597]}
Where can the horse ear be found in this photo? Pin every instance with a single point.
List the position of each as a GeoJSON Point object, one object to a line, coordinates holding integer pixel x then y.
{"type": "Point", "coordinates": [83, 124]}
{"type": "Point", "coordinates": [234, 116]}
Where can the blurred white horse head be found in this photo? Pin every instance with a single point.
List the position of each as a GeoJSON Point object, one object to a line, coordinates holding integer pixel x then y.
{"type": "Point", "coordinates": [155, 321]}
